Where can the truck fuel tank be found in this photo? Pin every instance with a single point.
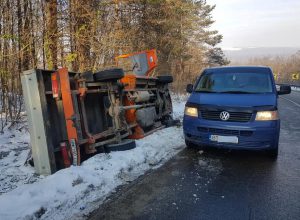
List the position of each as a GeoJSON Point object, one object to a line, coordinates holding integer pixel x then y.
{"type": "Point", "coordinates": [146, 116]}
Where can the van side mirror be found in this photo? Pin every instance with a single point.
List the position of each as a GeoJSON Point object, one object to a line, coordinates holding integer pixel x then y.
{"type": "Point", "coordinates": [189, 88]}
{"type": "Point", "coordinates": [284, 89]}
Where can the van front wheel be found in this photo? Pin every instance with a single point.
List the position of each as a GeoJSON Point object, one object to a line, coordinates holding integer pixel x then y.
{"type": "Point", "coordinates": [189, 144]}
{"type": "Point", "coordinates": [273, 153]}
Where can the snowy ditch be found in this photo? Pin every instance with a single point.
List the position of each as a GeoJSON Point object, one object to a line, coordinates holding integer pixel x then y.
{"type": "Point", "coordinates": [74, 192]}
{"type": "Point", "coordinates": [296, 88]}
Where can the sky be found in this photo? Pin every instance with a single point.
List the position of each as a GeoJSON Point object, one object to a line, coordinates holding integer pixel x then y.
{"type": "Point", "coordinates": [257, 23]}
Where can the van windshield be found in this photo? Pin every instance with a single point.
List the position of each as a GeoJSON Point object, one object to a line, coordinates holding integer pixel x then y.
{"type": "Point", "coordinates": [235, 83]}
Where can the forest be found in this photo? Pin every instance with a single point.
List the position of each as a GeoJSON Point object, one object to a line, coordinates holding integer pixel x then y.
{"type": "Point", "coordinates": [285, 68]}
{"type": "Point", "coordinates": [87, 35]}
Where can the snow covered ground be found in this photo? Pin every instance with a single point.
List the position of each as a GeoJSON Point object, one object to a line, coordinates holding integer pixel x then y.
{"type": "Point", "coordinates": [14, 149]}
{"type": "Point", "coordinates": [294, 88]}
{"type": "Point", "coordinates": [74, 192]}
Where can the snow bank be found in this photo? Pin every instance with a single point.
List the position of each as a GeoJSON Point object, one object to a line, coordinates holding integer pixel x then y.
{"type": "Point", "coordinates": [294, 88]}
{"type": "Point", "coordinates": [179, 101]}
{"type": "Point", "coordinates": [74, 188]}
{"type": "Point", "coordinates": [76, 191]}
{"type": "Point", "coordinates": [14, 149]}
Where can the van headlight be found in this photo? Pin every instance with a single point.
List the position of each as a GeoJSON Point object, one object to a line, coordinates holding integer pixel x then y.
{"type": "Point", "coordinates": [191, 111]}
{"type": "Point", "coordinates": [267, 116]}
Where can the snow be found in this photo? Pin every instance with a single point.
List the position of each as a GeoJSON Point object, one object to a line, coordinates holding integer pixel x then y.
{"type": "Point", "coordinates": [179, 101]}
{"type": "Point", "coordinates": [74, 192]}
{"type": "Point", "coordinates": [294, 88]}
{"type": "Point", "coordinates": [14, 149]}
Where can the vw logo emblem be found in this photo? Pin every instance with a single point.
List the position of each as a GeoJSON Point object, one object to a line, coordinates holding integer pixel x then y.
{"type": "Point", "coordinates": [224, 116]}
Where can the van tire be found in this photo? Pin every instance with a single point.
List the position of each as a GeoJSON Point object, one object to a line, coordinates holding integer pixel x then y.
{"type": "Point", "coordinates": [190, 145]}
{"type": "Point", "coordinates": [109, 75]}
{"type": "Point", "coordinates": [273, 153]}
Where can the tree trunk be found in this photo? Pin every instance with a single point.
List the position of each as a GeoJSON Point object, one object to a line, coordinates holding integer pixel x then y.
{"type": "Point", "coordinates": [82, 12]}
{"type": "Point", "coordinates": [51, 33]}
{"type": "Point", "coordinates": [25, 37]}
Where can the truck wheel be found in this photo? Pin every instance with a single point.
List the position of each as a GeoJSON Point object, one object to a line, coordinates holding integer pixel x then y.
{"type": "Point", "coordinates": [165, 79]}
{"type": "Point", "coordinates": [109, 75]}
{"type": "Point", "coordinates": [169, 122]}
{"type": "Point", "coordinates": [124, 145]}
{"type": "Point", "coordinates": [88, 76]}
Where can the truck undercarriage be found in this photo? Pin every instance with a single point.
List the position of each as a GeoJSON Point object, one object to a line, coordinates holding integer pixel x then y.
{"type": "Point", "coordinates": [73, 116]}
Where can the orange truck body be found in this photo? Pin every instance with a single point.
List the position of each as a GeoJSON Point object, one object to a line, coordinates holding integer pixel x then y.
{"type": "Point", "coordinates": [148, 57]}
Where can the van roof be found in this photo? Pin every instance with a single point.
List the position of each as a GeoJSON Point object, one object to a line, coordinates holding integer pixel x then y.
{"type": "Point", "coordinates": [239, 69]}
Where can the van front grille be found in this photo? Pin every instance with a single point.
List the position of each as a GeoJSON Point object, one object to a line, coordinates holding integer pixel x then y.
{"type": "Point", "coordinates": [234, 116]}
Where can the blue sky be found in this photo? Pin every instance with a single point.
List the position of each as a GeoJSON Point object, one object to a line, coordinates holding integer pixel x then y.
{"type": "Point", "coordinates": [257, 23]}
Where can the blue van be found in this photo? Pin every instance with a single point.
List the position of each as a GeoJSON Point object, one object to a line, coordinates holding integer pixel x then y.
{"type": "Point", "coordinates": [234, 108]}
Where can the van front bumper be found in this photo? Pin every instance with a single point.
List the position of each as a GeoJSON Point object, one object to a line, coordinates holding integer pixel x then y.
{"type": "Point", "coordinates": [255, 135]}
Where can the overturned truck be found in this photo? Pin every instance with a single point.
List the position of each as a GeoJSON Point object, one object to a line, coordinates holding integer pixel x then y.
{"type": "Point", "coordinates": [73, 116]}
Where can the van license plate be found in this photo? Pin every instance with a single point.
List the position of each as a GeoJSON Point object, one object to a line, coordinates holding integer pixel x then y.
{"type": "Point", "coordinates": [224, 139]}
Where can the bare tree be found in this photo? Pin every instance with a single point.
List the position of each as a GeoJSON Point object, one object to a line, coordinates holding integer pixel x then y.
{"type": "Point", "coordinates": [51, 38]}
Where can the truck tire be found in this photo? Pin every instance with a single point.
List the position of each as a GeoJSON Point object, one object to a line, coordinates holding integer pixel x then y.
{"type": "Point", "coordinates": [168, 121]}
{"type": "Point", "coordinates": [124, 145]}
{"type": "Point", "coordinates": [88, 76]}
{"type": "Point", "coordinates": [165, 79]}
{"type": "Point", "coordinates": [109, 75]}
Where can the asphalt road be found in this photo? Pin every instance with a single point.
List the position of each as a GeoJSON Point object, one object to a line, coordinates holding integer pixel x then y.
{"type": "Point", "coordinates": [219, 184]}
